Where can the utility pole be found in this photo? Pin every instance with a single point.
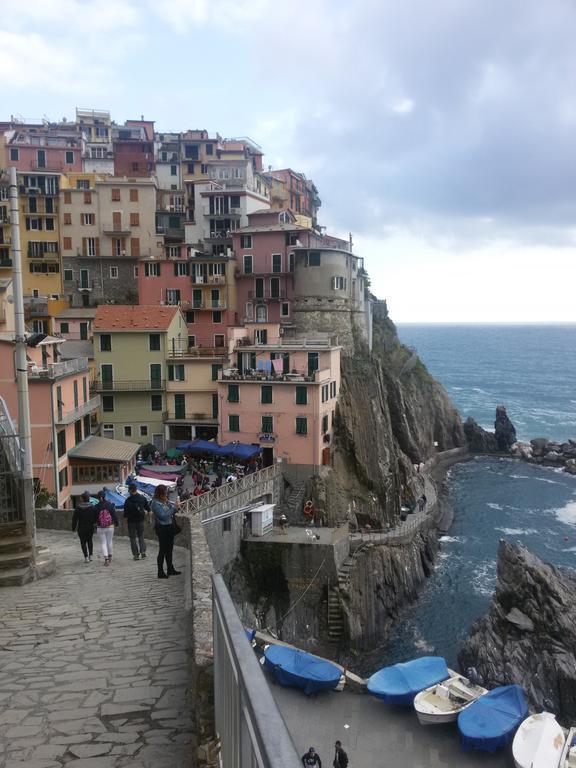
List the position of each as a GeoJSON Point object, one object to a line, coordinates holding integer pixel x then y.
{"type": "Point", "coordinates": [24, 429]}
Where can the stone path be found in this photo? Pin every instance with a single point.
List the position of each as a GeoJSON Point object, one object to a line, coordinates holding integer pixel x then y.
{"type": "Point", "coordinates": [94, 664]}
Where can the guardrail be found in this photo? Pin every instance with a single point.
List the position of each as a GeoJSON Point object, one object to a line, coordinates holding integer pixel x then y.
{"type": "Point", "coordinates": [63, 368]}
{"type": "Point", "coordinates": [77, 413]}
{"type": "Point", "coordinates": [251, 729]}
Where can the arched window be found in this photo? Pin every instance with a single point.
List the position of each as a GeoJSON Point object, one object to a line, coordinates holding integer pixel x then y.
{"type": "Point", "coordinates": [261, 313]}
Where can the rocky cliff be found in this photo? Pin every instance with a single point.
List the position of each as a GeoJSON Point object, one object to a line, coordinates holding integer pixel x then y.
{"type": "Point", "coordinates": [528, 635]}
{"type": "Point", "coordinates": [391, 416]}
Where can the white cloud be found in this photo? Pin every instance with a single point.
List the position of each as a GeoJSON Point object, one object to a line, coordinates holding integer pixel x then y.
{"type": "Point", "coordinates": [182, 14]}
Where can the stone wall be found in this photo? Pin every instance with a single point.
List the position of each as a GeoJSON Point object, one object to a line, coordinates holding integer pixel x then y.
{"type": "Point", "coordinates": [103, 288]}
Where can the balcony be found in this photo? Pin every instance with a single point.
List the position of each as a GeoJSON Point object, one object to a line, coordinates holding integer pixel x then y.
{"type": "Point", "coordinates": [258, 376]}
{"type": "Point", "coordinates": [195, 418]}
{"type": "Point", "coordinates": [56, 370]}
{"type": "Point", "coordinates": [116, 229]}
{"type": "Point", "coordinates": [134, 385]}
{"type": "Point", "coordinates": [209, 280]}
{"type": "Point", "coordinates": [204, 304]}
{"type": "Point", "coordinates": [266, 298]}
{"type": "Point", "coordinates": [219, 238]}
{"type": "Point", "coordinates": [196, 352]}
{"type": "Point", "coordinates": [5, 261]}
{"type": "Point", "coordinates": [36, 309]}
{"type": "Point", "coordinates": [77, 413]}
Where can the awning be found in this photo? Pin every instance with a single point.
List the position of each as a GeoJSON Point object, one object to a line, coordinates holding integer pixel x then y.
{"type": "Point", "coordinates": [104, 449]}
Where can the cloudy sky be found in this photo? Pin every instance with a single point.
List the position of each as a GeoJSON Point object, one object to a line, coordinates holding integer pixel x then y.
{"type": "Point", "coordinates": [442, 135]}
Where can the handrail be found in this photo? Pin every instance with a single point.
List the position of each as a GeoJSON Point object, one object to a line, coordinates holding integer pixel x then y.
{"type": "Point", "coordinates": [10, 438]}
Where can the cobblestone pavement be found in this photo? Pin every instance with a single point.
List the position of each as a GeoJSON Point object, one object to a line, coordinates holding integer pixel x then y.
{"type": "Point", "coordinates": [94, 663]}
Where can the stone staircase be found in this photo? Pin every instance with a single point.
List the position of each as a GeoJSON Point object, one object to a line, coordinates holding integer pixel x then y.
{"type": "Point", "coordinates": [292, 507]}
{"type": "Point", "coordinates": [335, 593]}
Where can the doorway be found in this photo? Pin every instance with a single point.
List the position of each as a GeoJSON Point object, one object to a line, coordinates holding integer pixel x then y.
{"type": "Point", "coordinates": [267, 457]}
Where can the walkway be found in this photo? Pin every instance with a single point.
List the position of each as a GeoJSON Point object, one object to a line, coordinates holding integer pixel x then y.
{"type": "Point", "coordinates": [94, 668]}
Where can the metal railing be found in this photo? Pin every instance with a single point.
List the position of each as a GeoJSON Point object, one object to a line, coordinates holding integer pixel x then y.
{"type": "Point", "coordinates": [203, 503]}
{"type": "Point", "coordinates": [63, 368]}
{"type": "Point", "coordinates": [251, 729]}
{"type": "Point", "coordinates": [77, 413]}
{"type": "Point", "coordinates": [135, 385]}
{"type": "Point", "coordinates": [11, 501]}
{"type": "Point", "coordinates": [10, 439]}
{"type": "Point", "coordinates": [193, 417]}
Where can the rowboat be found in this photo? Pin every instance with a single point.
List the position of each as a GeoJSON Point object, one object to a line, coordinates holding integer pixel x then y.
{"type": "Point", "coordinates": [299, 669]}
{"type": "Point", "coordinates": [539, 742]}
{"type": "Point", "coordinates": [399, 683]}
{"type": "Point", "coordinates": [442, 703]}
{"type": "Point", "coordinates": [489, 722]}
{"type": "Point", "coordinates": [568, 757]}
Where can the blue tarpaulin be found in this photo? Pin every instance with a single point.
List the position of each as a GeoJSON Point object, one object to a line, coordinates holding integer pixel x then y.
{"type": "Point", "coordinates": [490, 722]}
{"type": "Point", "coordinates": [240, 451]}
{"type": "Point", "coordinates": [400, 683]}
{"type": "Point", "coordinates": [245, 451]}
{"type": "Point", "coordinates": [115, 498]}
{"type": "Point", "coordinates": [301, 670]}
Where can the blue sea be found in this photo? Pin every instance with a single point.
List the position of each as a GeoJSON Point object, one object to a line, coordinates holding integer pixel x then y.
{"type": "Point", "coordinates": [531, 370]}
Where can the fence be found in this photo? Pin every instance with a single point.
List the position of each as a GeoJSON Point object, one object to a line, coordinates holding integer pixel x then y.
{"type": "Point", "coordinates": [250, 727]}
{"type": "Point", "coordinates": [11, 502]}
{"type": "Point", "coordinates": [203, 503]}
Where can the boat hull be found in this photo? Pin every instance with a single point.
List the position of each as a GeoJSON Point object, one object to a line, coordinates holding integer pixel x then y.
{"type": "Point", "coordinates": [440, 718]}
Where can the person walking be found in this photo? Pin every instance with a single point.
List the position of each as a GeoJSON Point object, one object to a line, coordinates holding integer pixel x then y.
{"type": "Point", "coordinates": [311, 758]}
{"type": "Point", "coordinates": [136, 507]}
{"type": "Point", "coordinates": [84, 519]}
{"type": "Point", "coordinates": [107, 520]}
{"type": "Point", "coordinates": [340, 758]}
{"type": "Point", "coordinates": [164, 512]}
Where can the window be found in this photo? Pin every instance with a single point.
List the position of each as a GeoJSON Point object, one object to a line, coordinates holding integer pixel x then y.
{"type": "Point", "coordinates": [312, 362]}
{"type": "Point", "coordinates": [314, 259]}
{"type": "Point", "coordinates": [134, 219]}
{"type": "Point", "coordinates": [78, 432]}
{"type": "Point", "coordinates": [247, 265]}
{"type": "Point", "coordinates": [190, 316]}
{"type": "Point", "coordinates": [173, 170]}
{"type": "Point", "coordinates": [259, 287]}
{"type": "Point", "coordinates": [105, 342]}
{"type": "Point", "coordinates": [291, 238]}
{"type": "Point", "coordinates": [14, 155]}
{"type": "Point", "coordinates": [324, 393]}
{"type": "Point", "coordinates": [61, 443]}
{"type": "Point", "coordinates": [267, 424]}
{"type": "Point", "coordinates": [114, 273]}
{"type": "Point", "coordinates": [32, 205]}
{"type": "Point", "coordinates": [108, 403]}
{"type": "Point", "coordinates": [115, 195]}
{"type": "Point", "coordinates": [301, 395]}
{"type": "Point", "coordinates": [90, 246]}
{"type": "Point", "coordinates": [209, 149]}
{"type": "Point", "coordinates": [134, 195]}
{"type": "Point", "coordinates": [276, 262]}
{"type": "Point", "coordinates": [233, 423]}
{"type": "Point", "coordinates": [84, 278]}
{"type": "Point", "coordinates": [324, 424]}
{"type": "Point", "coordinates": [143, 430]}
{"type": "Point", "coordinates": [172, 296]}
{"type": "Point", "coordinates": [180, 406]}
{"type": "Point", "coordinates": [68, 277]}
{"type": "Point", "coordinates": [155, 375]}
{"type": "Point", "coordinates": [134, 167]}
{"type": "Point", "coordinates": [216, 317]}
{"type": "Point", "coordinates": [48, 205]}
{"type": "Point", "coordinates": [261, 313]}
{"type": "Point", "coordinates": [218, 339]}
{"type": "Point", "coordinates": [176, 372]}
{"type": "Point", "coordinates": [69, 158]}
{"type": "Point", "coordinates": [108, 431]}
{"type": "Point", "coordinates": [155, 402]}
{"type": "Point", "coordinates": [226, 524]}
{"type": "Point", "coordinates": [191, 341]}
{"type": "Point", "coordinates": [249, 310]}
{"type": "Point", "coordinates": [84, 389]}
{"type": "Point", "coordinates": [191, 151]}
{"type": "Point", "coordinates": [291, 262]}
{"type": "Point", "coordinates": [87, 198]}
{"type": "Point", "coordinates": [127, 430]}
{"type": "Point", "coordinates": [87, 219]}
{"type": "Point", "coordinates": [190, 167]}
{"type": "Point", "coordinates": [284, 309]}
{"type": "Point", "coordinates": [275, 287]}
{"type": "Point", "coordinates": [173, 252]}
{"type": "Point", "coordinates": [266, 393]}
{"type": "Point", "coordinates": [301, 425]}
{"type": "Point", "coordinates": [33, 223]}
{"type": "Point", "coordinates": [134, 246]}
{"type": "Point", "coordinates": [64, 328]}
{"type": "Point", "coordinates": [215, 368]}
{"type": "Point", "coordinates": [87, 427]}
{"type": "Point", "coordinates": [339, 283]}
{"type": "Point", "coordinates": [82, 184]}
{"type": "Point", "coordinates": [50, 225]}
{"type": "Point", "coordinates": [180, 269]}
{"type": "Point", "coordinates": [63, 478]}
{"type": "Point", "coordinates": [67, 218]}
{"type": "Point", "coordinates": [136, 271]}
{"type": "Point", "coordinates": [76, 394]}
{"type": "Point", "coordinates": [41, 158]}
{"type": "Point", "coordinates": [203, 168]}
{"type": "Point", "coordinates": [152, 270]}
{"type": "Point", "coordinates": [245, 241]}
{"type": "Point", "coordinates": [233, 393]}
{"type": "Point", "coordinates": [332, 389]}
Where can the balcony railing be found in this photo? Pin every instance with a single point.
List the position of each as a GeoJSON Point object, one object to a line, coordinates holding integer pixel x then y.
{"type": "Point", "coordinates": [208, 280]}
{"type": "Point", "coordinates": [294, 377]}
{"type": "Point", "coordinates": [134, 385]}
{"type": "Point", "coordinates": [55, 370]}
{"type": "Point", "coordinates": [182, 351]}
{"type": "Point", "coordinates": [77, 413]}
{"type": "Point", "coordinates": [204, 304]}
{"type": "Point", "coordinates": [267, 298]}
{"type": "Point", "coordinates": [202, 418]}
{"type": "Point", "coordinates": [116, 229]}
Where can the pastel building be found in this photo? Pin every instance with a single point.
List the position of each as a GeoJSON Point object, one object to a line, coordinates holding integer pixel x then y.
{"type": "Point", "coordinates": [96, 128]}
{"type": "Point", "coordinates": [133, 148]}
{"type": "Point", "coordinates": [294, 191]}
{"type": "Point", "coordinates": [281, 394]}
{"type": "Point", "coordinates": [131, 345]}
{"type": "Point", "coordinates": [62, 410]}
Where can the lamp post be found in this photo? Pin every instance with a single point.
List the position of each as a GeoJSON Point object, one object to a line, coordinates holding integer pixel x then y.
{"type": "Point", "coordinates": [24, 428]}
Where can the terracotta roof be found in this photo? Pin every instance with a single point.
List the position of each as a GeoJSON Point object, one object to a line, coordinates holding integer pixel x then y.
{"type": "Point", "coordinates": [104, 449]}
{"type": "Point", "coordinates": [128, 317]}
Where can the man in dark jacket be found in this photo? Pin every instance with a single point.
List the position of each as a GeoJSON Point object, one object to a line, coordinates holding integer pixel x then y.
{"type": "Point", "coordinates": [136, 507]}
{"type": "Point", "coordinates": [340, 758]}
{"type": "Point", "coordinates": [84, 519]}
{"type": "Point", "coordinates": [311, 759]}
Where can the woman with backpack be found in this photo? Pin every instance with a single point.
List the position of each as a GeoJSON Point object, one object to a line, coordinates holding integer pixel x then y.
{"type": "Point", "coordinates": [106, 520]}
{"type": "Point", "coordinates": [166, 529]}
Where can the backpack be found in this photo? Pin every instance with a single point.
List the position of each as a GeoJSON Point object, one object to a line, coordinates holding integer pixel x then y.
{"type": "Point", "coordinates": [104, 518]}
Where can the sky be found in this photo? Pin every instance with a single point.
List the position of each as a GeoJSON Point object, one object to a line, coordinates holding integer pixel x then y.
{"type": "Point", "coordinates": [441, 135]}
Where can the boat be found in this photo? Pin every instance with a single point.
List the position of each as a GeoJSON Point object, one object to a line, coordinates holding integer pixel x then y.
{"type": "Point", "coordinates": [490, 722]}
{"type": "Point", "coordinates": [539, 742]}
{"type": "Point", "coordinates": [568, 757]}
{"type": "Point", "coordinates": [399, 683]}
{"type": "Point", "coordinates": [442, 703]}
{"type": "Point", "coordinates": [292, 667]}
{"type": "Point", "coordinates": [170, 476]}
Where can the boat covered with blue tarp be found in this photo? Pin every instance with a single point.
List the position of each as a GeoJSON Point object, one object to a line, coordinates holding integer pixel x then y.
{"type": "Point", "coordinates": [116, 498]}
{"type": "Point", "coordinates": [399, 683]}
{"type": "Point", "coordinates": [296, 668]}
{"type": "Point", "coordinates": [490, 722]}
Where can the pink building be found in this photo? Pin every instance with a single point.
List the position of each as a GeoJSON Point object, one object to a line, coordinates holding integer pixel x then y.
{"type": "Point", "coordinates": [203, 285]}
{"type": "Point", "coordinates": [265, 266]}
{"type": "Point", "coordinates": [37, 149]}
{"type": "Point", "coordinates": [281, 395]}
{"type": "Point", "coordinates": [61, 411]}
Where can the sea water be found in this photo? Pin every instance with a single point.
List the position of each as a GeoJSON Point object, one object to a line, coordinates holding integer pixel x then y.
{"type": "Point", "coordinates": [532, 371]}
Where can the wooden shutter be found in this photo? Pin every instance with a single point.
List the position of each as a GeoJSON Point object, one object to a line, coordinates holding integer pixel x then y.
{"type": "Point", "coordinates": [67, 243]}
{"type": "Point", "coordinates": [135, 246]}
{"type": "Point", "coordinates": [68, 198]}
{"type": "Point", "coordinates": [67, 218]}
{"type": "Point", "coordinates": [134, 219]}
{"type": "Point", "coordinates": [84, 247]}
{"type": "Point", "coordinates": [97, 245]}
{"type": "Point", "coordinates": [87, 197]}
{"type": "Point", "coordinates": [133, 195]}
{"type": "Point", "coordinates": [115, 194]}
{"type": "Point", "coordinates": [117, 220]}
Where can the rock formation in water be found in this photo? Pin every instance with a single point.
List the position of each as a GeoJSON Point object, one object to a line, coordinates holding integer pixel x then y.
{"type": "Point", "coordinates": [391, 416]}
{"type": "Point", "coordinates": [528, 635]}
{"type": "Point", "coordinates": [541, 450]}
{"type": "Point", "coordinates": [504, 430]}
{"type": "Point", "coordinates": [481, 440]}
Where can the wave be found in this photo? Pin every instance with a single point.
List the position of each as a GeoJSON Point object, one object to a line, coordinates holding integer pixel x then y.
{"type": "Point", "coordinates": [517, 531]}
{"type": "Point", "coordinates": [493, 505]}
{"type": "Point", "coordinates": [547, 480]}
{"type": "Point", "coordinates": [484, 578]}
{"type": "Point", "coordinates": [566, 514]}
{"type": "Point", "coordinates": [449, 539]}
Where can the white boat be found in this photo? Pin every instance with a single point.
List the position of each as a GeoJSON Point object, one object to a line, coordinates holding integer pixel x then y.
{"type": "Point", "coordinates": [568, 758]}
{"type": "Point", "coordinates": [443, 702]}
{"type": "Point", "coordinates": [539, 742]}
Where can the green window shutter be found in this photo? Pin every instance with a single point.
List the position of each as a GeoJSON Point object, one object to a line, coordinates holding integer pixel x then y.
{"type": "Point", "coordinates": [301, 395]}
{"type": "Point", "coordinates": [301, 426]}
{"type": "Point", "coordinates": [233, 423]}
{"type": "Point", "coordinates": [324, 424]}
{"type": "Point", "coordinates": [266, 394]}
{"type": "Point", "coordinates": [215, 369]}
{"type": "Point", "coordinates": [233, 393]}
{"type": "Point", "coordinates": [170, 373]}
{"type": "Point", "coordinates": [267, 424]}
